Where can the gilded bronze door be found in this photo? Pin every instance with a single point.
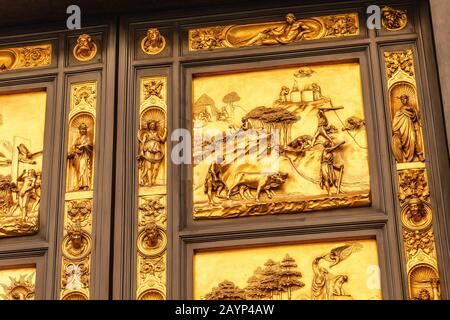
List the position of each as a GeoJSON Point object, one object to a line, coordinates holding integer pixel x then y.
{"type": "Point", "coordinates": [283, 153]}
{"type": "Point", "coordinates": [57, 122]}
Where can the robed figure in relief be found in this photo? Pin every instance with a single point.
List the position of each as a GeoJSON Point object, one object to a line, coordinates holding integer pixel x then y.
{"type": "Point", "coordinates": [407, 143]}
{"type": "Point", "coordinates": [80, 157]}
{"type": "Point", "coordinates": [151, 152]}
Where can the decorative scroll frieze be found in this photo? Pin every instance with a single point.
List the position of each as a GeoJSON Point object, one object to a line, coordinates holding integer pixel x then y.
{"type": "Point", "coordinates": [414, 195]}
{"type": "Point", "coordinates": [397, 62]}
{"type": "Point", "coordinates": [25, 57]}
{"type": "Point", "coordinates": [274, 33]}
{"type": "Point", "coordinates": [152, 213]}
{"type": "Point", "coordinates": [78, 218]}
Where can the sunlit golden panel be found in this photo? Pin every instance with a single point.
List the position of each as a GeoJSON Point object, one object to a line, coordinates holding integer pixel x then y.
{"type": "Point", "coordinates": [22, 122]}
{"type": "Point", "coordinates": [279, 141]}
{"type": "Point", "coordinates": [318, 271]}
{"type": "Point", "coordinates": [17, 283]}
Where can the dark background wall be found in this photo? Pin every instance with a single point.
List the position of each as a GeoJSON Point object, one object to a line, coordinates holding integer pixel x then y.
{"type": "Point", "coordinates": [440, 12]}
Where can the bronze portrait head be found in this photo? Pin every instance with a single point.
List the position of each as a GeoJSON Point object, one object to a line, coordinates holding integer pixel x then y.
{"type": "Point", "coordinates": [85, 48]}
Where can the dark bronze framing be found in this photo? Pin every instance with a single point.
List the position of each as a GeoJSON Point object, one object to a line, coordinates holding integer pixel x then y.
{"type": "Point", "coordinates": [44, 248]}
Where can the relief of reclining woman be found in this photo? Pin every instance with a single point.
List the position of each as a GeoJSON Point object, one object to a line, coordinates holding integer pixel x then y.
{"type": "Point", "coordinates": [292, 30]}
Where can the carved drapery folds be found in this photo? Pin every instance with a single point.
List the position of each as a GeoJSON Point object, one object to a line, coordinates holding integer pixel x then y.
{"type": "Point", "coordinates": [81, 138]}
{"type": "Point", "coordinates": [274, 33]}
{"type": "Point", "coordinates": [25, 57]}
{"type": "Point", "coordinates": [414, 196]}
{"type": "Point", "coordinates": [407, 137]}
{"type": "Point", "coordinates": [17, 283]}
{"type": "Point", "coordinates": [393, 19]}
{"type": "Point", "coordinates": [78, 217]}
{"type": "Point", "coordinates": [152, 213]}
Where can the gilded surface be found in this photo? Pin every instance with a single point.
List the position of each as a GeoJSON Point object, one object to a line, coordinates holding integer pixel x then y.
{"type": "Point", "coordinates": [17, 283]}
{"type": "Point", "coordinates": [407, 137]}
{"type": "Point", "coordinates": [152, 214]}
{"type": "Point", "coordinates": [414, 195]}
{"type": "Point", "coordinates": [154, 42]}
{"type": "Point", "coordinates": [274, 33]}
{"type": "Point", "coordinates": [401, 61]}
{"type": "Point", "coordinates": [316, 271]}
{"type": "Point", "coordinates": [393, 19]}
{"type": "Point", "coordinates": [81, 137]}
{"type": "Point", "coordinates": [414, 199]}
{"type": "Point", "coordinates": [78, 217]}
{"type": "Point", "coordinates": [22, 122]}
{"type": "Point", "coordinates": [85, 48]}
{"type": "Point", "coordinates": [75, 279]}
{"type": "Point", "coordinates": [279, 141]}
{"type": "Point", "coordinates": [25, 57]}
{"type": "Point", "coordinates": [77, 241]}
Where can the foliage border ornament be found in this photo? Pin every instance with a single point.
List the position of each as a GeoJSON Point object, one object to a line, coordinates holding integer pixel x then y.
{"type": "Point", "coordinates": [78, 241]}
{"type": "Point", "coordinates": [414, 197]}
{"type": "Point", "coordinates": [25, 57]}
{"type": "Point", "coordinates": [393, 19]}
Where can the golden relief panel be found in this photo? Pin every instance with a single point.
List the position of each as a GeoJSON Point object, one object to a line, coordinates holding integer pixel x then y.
{"type": "Point", "coordinates": [393, 19]}
{"type": "Point", "coordinates": [154, 42]}
{"type": "Point", "coordinates": [78, 212]}
{"type": "Point", "coordinates": [22, 124]}
{"type": "Point", "coordinates": [307, 271]}
{"type": "Point", "coordinates": [18, 283]}
{"type": "Point", "coordinates": [25, 57]}
{"type": "Point", "coordinates": [85, 48]}
{"type": "Point", "coordinates": [274, 33]}
{"type": "Point", "coordinates": [152, 213]}
{"type": "Point", "coordinates": [414, 195]}
{"type": "Point", "coordinates": [81, 138]}
{"type": "Point", "coordinates": [279, 141]}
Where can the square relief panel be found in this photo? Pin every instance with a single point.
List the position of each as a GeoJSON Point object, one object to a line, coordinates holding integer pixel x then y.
{"type": "Point", "coordinates": [282, 140]}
